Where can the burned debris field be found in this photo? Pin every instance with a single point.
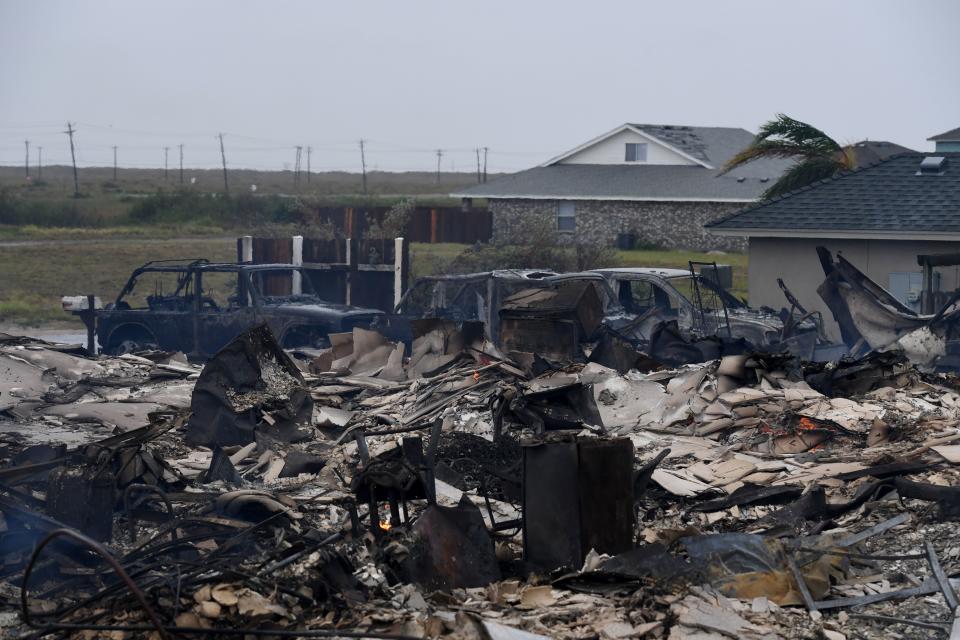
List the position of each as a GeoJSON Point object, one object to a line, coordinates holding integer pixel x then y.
{"type": "Point", "coordinates": [619, 453]}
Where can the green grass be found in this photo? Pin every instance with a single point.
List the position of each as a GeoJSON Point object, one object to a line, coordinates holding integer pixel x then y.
{"type": "Point", "coordinates": [430, 259]}
{"type": "Point", "coordinates": [34, 232]}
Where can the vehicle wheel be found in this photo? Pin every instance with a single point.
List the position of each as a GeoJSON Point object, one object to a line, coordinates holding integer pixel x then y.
{"type": "Point", "coordinates": [130, 340]}
{"type": "Point", "coordinates": [132, 346]}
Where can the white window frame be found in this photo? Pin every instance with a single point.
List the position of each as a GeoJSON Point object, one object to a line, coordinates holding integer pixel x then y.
{"type": "Point", "coordinates": [566, 210]}
{"type": "Point", "coordinates": [639, 150]}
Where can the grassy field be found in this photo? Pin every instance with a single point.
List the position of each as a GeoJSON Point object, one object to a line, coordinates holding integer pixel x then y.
{"type": "Point", "coordinates": [36, 273]}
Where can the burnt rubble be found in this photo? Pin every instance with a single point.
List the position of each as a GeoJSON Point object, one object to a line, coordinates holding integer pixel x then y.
{"type": "Point", "coordinates": [455, 490]}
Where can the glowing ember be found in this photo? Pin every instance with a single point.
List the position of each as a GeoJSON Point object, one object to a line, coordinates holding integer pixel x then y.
{"type": "Point", "coordinates": [807, 425]}
{"type": "Point", "coordinates": [476, 376]}
{"type": "Point", "coordinates": [385, 525]}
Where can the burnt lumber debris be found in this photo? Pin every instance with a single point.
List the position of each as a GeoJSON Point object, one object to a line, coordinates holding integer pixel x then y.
{"type": "Point", "coordinates": [569, 488]}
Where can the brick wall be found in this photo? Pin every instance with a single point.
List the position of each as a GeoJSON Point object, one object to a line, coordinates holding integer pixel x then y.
{"type": "Point", "coordinates": [672, 225]}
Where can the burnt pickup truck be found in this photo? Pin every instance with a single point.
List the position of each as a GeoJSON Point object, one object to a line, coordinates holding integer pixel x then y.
{"type": "Point", "coordinates": [198, 306]}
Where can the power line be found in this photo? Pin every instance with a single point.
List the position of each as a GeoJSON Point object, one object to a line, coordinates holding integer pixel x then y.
{"type": "Point", "coordinates": [439, 156]}
{"type": "Point", "coordinates": [114, 163]}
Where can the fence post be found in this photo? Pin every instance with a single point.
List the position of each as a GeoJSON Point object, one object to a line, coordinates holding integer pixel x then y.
{"type": "Point", "coordinates": [352, 261]}
{"type": "Point", "coordinates": [434, 223]}
{"type": "Point", "coordinates": [296, 259]}
{"type": "Point", "coordinates": [401, 266]}
{"type": "Point", "coordinates": [246, 249]}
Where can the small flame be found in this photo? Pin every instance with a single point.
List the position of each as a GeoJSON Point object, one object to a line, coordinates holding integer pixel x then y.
{"type": "Point", "coordinates": [476, 376]}
{"type": "Point", "coordinates": [807, 425]}
{"type": "Point", "coordinates": [385, 525]}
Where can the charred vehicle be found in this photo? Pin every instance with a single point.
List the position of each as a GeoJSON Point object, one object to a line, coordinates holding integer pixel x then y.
{"type": "Point", "coordinates": [673, 315]}
{"type": "Point", "coordinates": [470, 297]}
{"type": "Point", "coordinates": [519, 310]}
{"type": "Point", "coordinates": [700, 306]}
{"type": "Point", "coordinates": [198, 307]}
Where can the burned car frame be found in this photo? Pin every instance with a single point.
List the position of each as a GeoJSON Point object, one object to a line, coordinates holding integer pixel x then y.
{"type": "Point", "coordinates": [470, 297]}
{"type": "Point", "coordinates": [702, 308]}
{"type": "Point", "coordinates": [198, 306]}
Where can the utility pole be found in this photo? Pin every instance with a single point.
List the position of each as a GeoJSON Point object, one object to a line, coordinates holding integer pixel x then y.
{"type": "Point", "coordinates": [223, 155]}
{"type": "Point", "coordinates": [296, 167]}
{"type": "Point", "coordinates": [478, 164]}
{"type": "Point", "coordinates": [181, 163]}
{"type": "Point", "coordinates": [26, 164]}
{"type": "Point", "coordinates": [166, 164]}
{"type": "Point", "coordinates": [485, 164]}
{"type": "Point", "coordinates": [363, 165]}
{"type": "Point", "coordinates": [114, 163]}
{"type": "Point", "coordinates": [73, 157]}
{"type": "Point", "coordinates": [40, 163]}
{"type": "Point", "coordinates": [439, 156]}
{"type": "Point", "coordinates": [309, 151]}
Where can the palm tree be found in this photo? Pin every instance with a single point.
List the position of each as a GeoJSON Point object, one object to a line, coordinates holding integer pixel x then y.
{"type": "Point", "coordinates": [819, 156]}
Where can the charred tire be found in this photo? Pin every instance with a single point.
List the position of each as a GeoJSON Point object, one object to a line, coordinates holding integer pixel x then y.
{"type": "Point", "coordinates": [128, 339]}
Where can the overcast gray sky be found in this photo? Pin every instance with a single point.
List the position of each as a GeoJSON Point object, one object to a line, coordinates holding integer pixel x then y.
{"type": "Point", "coordinates": [526, 79]}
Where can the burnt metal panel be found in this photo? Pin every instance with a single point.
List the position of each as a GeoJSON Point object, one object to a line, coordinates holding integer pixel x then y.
{"type": "Point", "coordinates": [551, 338]}
{"type": "Point", "coordinates": [577, 496]}
{"type": "Point", "coordinates": [606, 495]}
{"type": "Point", "coordinates": [551, 510]}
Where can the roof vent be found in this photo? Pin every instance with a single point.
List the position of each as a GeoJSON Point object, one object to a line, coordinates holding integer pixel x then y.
{"type": "Point", "coordinates": [741, 179]}
{"type": "Point", "coordinates": [932, 166]}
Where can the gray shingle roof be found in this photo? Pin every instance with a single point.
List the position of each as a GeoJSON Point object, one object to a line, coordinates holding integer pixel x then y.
{"type": "Point", "coordinates": [712, 145]}
{"type": "Point", "coordinates": [868, 152]}
{"type": "Point", "coordinates": [886, 197]}
{"type": "Point", "coordinates": [618, 182]}
{"type": "Point", "coordinates": [952, 136]}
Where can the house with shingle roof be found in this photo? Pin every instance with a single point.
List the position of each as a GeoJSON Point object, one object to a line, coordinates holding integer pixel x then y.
{"type": "Point", "coordinates": [644, 184]}
{"type": "Point", "coordinates": [881, 217]}
{"type": "Point", "coordinates": [947, 141]}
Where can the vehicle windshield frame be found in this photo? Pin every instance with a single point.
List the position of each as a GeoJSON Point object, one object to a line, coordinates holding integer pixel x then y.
{"type": "Point", "coordinates": [188, 276]}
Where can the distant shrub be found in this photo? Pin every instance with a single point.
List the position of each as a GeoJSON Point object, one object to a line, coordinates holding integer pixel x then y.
{"type": "Point", "coordinates": [16, 210]}
{"type": "Point", "coordinates": [395, 221]}
{"type": "Point", "coordinates": [190, 206]}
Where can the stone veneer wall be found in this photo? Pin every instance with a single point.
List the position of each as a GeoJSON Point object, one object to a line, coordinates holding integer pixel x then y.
{"type": "Point", "coordinates": [671, 225]}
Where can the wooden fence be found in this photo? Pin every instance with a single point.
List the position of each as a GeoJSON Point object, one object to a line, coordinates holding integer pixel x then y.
{"type": "Point", "coordinates": [427, 224]}
{"type": "Point", "coordinates": [362, 273]}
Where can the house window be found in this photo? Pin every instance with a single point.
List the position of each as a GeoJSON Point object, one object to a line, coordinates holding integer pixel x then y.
{"type": "Point", "coordinates": [636, 152]}
{"type": "Point", "coordinates": [566, 216]}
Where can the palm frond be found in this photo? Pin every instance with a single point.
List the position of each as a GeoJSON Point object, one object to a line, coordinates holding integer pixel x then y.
{"type": "Point", "coordinates": [784, 137]}
{"type": "Point", "coordinates": [803, 174]}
